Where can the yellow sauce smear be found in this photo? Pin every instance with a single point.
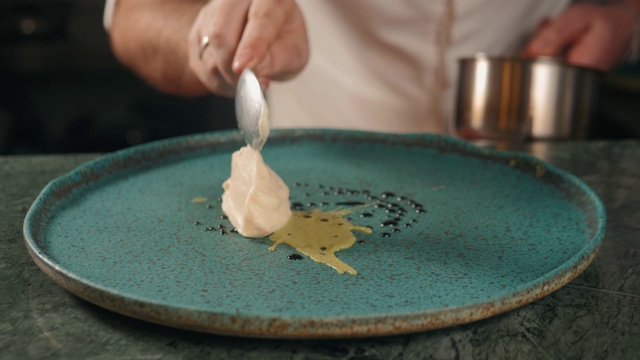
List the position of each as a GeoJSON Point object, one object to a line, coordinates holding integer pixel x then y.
{"type": "Point", "coordinates": [199, 200]}
{"type": "Point", "coordinates": [319, 235]}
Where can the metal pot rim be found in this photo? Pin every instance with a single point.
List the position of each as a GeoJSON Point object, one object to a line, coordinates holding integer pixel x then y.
{"type": "Point", "coordinates": [522, 60]}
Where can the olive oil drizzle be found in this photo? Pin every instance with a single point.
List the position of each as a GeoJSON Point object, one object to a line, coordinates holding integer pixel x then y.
{"type": "Point", "coordinates": [319, 235]}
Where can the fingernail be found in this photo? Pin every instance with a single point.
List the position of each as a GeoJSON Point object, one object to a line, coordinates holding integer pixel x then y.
{"type": "Point", "coordinates": [541, 46]}
{"type": "Point", "coordinates": [544, 22]}
{"type": "Point", "coordinates": [241, 60]}
{"type": "Point", "coordinates": [537, 45]}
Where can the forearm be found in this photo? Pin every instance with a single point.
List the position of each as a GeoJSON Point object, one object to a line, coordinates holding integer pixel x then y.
{"type": "Point", "coordinates": [150, 37]}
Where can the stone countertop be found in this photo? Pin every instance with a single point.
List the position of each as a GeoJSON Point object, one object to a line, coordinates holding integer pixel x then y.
{"type": "Point", "coordinates": [596, 316]}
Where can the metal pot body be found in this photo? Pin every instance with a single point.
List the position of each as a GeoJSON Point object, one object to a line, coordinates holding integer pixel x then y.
{"type": "Point", "coordinates": [519, 99]}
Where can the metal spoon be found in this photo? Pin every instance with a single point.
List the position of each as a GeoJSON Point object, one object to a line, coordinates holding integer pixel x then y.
{"type": "Point", "coordinates": [252, 112]}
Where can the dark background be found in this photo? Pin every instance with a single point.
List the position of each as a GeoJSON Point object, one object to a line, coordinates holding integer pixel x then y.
{"type": "Point", "coordinates": [61, 89]}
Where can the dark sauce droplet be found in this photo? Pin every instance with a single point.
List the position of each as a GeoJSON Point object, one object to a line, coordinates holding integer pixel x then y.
{"type": "Point", "coordinates": [209, 206]}
{"type": "Point", "coordinates": [366, 215]}
{"type": "Point", "coordinates": [223, 232]}
{"type": "Point", "coordinates": [420, 210]}
{"type": "Point", "coordinates": [234, 230]}
{"type": "Point", "coordinates": [294, 257]}
{"type": "Point", "coordinates": [389, 223]}
{"type": "Point", "coordinates": [395, 230]}
{"type": "Point", "coordinates": [324, 220]}
{"type": "Point", "coordinates": [360, 241]}
{"type": "Point", "coordinates": [297, 205]}
{"type": "Point", "coordinates": [349, 203]}
{"type": "Point", "coordinates": [224, 217]}
{"type": "Point", "coordinates": [197, 223]}
{"type": "Point", "coordinates": [407, 225]}
{"type": "Point", "coordinates": [385, 234]}
{"type": "Point", "coordinates": [323, 248]}
{"type": "Point", "coordinates": [387, 194]}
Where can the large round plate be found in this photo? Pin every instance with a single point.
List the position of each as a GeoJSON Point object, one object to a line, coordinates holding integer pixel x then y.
{"type": "Point", "coordinates": [499, 230]}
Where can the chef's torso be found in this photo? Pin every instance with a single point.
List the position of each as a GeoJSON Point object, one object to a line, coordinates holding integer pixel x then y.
{"type": "Point", "coordinates": [390, 66]}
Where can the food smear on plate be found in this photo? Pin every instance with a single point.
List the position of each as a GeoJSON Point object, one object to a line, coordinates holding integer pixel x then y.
{"type": "Point", "coordinates": [255, 198]}
{"type": "Point", "coordinates": [199, 200]}
{"type": "Point", "coordinates": [319, 235]}
{"type": "Point", "coordinates": [313, 231]}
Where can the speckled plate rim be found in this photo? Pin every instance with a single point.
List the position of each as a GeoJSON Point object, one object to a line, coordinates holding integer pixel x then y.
{"type": "Point", "coordinates": [256, 325]}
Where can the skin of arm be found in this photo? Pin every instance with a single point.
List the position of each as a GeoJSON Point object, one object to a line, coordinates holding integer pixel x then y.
{"type": "Point", "coordinates": [589, 35]}
{"type": "Point", "coordinates": [150, 38]}
{"type": "Point", "coordinates": [161, 40]}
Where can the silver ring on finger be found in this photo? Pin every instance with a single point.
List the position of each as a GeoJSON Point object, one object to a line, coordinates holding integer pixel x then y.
{"type": "Point", "coordinates": [204, 43]}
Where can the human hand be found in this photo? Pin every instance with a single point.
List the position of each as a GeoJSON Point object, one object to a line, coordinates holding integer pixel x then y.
{"type": "Point", "coordinates": [589, 35]}
{"type": "Point", "coordinates": [268, 36]}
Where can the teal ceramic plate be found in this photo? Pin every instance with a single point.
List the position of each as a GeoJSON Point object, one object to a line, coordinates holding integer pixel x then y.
{"type": "Point", "coordinates": [468, 233]}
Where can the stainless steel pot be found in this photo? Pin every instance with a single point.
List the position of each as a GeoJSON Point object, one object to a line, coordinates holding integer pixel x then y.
{"type": "Point", "coordinates": [512, 98]}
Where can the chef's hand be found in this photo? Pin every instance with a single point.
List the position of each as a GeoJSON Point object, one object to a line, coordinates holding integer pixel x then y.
{"type": "Point", "coordinates": [268, 36]}
{"type": "Point", "coordinates": [590, 35]}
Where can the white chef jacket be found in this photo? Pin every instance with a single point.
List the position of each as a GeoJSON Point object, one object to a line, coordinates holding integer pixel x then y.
{"type": "Point", "coordinates": [390, 66]}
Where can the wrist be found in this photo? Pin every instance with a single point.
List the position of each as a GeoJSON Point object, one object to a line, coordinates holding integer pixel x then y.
{"type": "Point", "coordinates": [632, 8]}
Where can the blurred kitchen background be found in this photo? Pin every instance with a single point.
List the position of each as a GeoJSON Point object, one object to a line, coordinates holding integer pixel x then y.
{"type": "Point", "coordinates": [62, 90]}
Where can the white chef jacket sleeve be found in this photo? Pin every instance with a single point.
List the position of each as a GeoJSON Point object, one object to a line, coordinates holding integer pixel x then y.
{"type": "Point", "coordinates": [107, 16]}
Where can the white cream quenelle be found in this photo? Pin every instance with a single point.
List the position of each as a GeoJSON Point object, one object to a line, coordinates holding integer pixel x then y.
{"type": "Point", "coordinates": [255, 199]}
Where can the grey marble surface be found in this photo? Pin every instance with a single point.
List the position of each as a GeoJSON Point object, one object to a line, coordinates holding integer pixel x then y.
{"type": "Point", "coordinates": [596, 316]}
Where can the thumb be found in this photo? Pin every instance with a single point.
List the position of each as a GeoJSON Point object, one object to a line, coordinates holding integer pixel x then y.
{"type": "Point", "coordinates": [285, 58]}
{"type": "Point", "coordinates": [265, 21]}
{"type": "Point", "coordinates": [555, 35]}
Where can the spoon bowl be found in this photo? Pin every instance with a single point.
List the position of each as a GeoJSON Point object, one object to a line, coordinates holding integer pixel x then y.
{"type": "Point", "coordinates": [252, 112]}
